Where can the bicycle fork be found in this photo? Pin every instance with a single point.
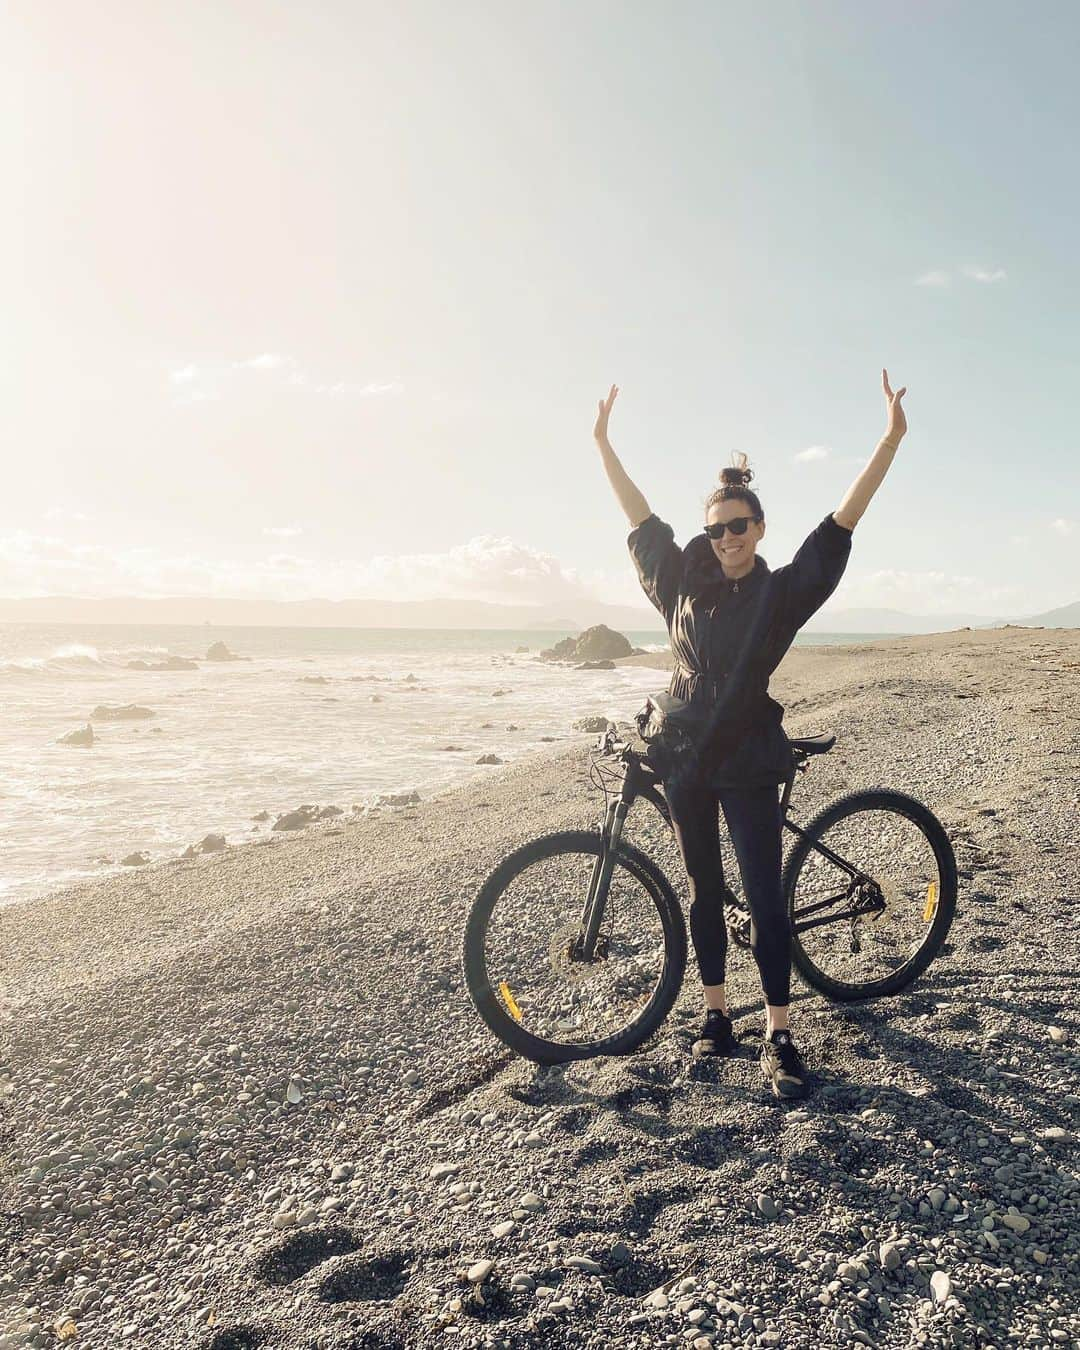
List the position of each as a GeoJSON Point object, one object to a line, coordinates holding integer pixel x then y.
{"type": "Point", "coordinates": [586, 945]}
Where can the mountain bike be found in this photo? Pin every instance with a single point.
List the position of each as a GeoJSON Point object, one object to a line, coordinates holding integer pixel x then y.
{"type": "Point", "coordinates": [576, 946]}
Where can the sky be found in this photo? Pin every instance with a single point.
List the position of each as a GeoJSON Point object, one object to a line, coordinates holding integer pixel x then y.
{"type": "Point", "coordinates": [319, 300]}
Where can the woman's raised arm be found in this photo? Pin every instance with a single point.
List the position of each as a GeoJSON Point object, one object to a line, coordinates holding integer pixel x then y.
{"type": "Point", "coordinates": [630, 497]}
{"type": "Point", "coordinates": [857, 497]}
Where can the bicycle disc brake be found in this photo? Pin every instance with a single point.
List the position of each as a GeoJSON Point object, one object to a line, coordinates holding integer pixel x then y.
{"type": "Point", "coordinates": [565, 955]}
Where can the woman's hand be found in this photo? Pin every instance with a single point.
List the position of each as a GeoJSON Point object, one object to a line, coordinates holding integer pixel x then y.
{"type": "Point", "coordinates": [600, 430]}
{"type": "Point", "coordinates": [897, 427]}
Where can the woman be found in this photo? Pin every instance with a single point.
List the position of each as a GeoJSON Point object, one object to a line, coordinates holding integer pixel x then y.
{"type": "Point", "coordinates": [730, 619]}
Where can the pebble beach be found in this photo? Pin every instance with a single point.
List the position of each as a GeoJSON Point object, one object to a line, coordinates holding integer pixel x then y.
{"type": "Point", "coordinates": [245, 1100]}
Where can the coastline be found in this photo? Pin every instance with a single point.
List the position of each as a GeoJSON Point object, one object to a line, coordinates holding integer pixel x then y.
{"type": "Point", "coordinates": [329, 958]}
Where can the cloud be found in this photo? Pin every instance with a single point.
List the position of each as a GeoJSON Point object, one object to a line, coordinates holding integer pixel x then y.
{"type": "Point", "coordinates": [198, 384]}
{"type": "Point", "coordinates": [981, 274]}
{"type": "Point", "coordinates": [940, 277]}
{"type": "Point", "coordinates": [812, 452]}
{"type": "Point", "coordinates": [927, 592]}
{"type": "Point", "coordinates": [282, 531]}
{"type": "Point", "coordinates": [299, 380]}
{"type": "Point", "coordinates": [267, 361]}
{"type": "Point", "coordinates": [486, 567]}
{"type": "Point", "coordinates": [63, 513]}
{"type": "Point", "coordinates": [1062, 526]}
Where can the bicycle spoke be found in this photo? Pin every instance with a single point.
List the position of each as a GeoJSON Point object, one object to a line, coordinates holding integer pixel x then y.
{"type": "Point", "coordinates": [865, 915]}
{"type": "Point", "coordinates": [533, 960]}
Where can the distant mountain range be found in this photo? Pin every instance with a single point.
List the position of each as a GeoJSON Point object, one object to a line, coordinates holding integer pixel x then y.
{"type": "Point", "coordinates": [460, 614]}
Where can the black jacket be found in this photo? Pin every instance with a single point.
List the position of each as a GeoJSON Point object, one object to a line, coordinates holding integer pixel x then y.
{"type": "Point", "coordinates": [727, 637]}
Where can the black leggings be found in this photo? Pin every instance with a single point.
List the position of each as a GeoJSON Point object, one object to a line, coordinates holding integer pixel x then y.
{"type": "Point", "coordinates": [754, 821]}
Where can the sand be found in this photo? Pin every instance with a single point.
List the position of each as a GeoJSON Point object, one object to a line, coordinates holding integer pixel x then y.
{"type": "Point", "coordinates": [225, 1083]}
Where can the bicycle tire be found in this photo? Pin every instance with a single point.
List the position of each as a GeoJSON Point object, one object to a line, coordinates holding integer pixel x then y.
{"type": "Point", "coordinates": [491, 1009]}
{"type": "Point", "coordinates": [932, 828]}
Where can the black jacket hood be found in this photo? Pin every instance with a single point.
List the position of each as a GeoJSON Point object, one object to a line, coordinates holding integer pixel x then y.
{"type": "Point", "coordinates": [702, 572]}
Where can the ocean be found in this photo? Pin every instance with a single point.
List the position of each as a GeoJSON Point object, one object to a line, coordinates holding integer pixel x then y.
{"type": "Point", "coordinates": [311, 715]}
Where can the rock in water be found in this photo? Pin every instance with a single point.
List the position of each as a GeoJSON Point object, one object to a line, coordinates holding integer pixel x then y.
{"type": "Point", "coordinates": [81, 736]}
{"type": "Point", "coordinates": [599, 643]}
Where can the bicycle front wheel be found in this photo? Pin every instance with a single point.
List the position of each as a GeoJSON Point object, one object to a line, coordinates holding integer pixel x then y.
{"type": "Point", "coordinates": [871, 892]}
{"type": "Point", "coordinates": [523, 963]}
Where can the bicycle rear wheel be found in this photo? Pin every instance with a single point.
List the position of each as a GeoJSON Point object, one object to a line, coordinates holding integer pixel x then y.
{"type": "Point", "coordinates": [871, 892]}
{"type": "Point", "coordinates": [528, 978]}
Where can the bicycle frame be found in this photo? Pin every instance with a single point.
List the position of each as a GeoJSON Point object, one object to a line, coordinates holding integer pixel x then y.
{"type": "Point", "coordinates": [642, 780]}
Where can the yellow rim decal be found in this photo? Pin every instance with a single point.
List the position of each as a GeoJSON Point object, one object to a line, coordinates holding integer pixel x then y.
{"type": "Point", "coordinates": [931, 902]}
{"type": "Point", "coordinates": [504, 989]}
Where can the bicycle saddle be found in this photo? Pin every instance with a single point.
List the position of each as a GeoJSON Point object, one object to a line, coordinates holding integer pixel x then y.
{"type": "Point", "coordinates": [812, 745]}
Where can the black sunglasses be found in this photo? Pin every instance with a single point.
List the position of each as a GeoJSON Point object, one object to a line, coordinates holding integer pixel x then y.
{"type": "Point", "coordinates": [736, 526]}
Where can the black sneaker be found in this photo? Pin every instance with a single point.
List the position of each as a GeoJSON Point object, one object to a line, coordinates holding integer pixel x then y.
{"type": "Point", "coordinates": [782, 1065]}
{"type": "Point", "coordinates": [717, 1036]}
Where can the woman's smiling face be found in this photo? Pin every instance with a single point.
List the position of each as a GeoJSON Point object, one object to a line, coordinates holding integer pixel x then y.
{"type": "Point", "coordinates": [735, 551]}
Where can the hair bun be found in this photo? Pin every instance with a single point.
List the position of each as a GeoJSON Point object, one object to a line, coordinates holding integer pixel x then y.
{"type": "Point", "coordinates": [736, 477]}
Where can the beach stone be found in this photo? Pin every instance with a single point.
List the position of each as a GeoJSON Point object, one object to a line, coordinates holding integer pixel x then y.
{"type": "Point", "coordinates": [767, 1206]}
{"type": "Point", "coordinates": [889, 1256]}
{"type": "Point", "coordinates": [586, 1264]}
{"type": "Point", "coordinates": [940, 1286]}
{"type": "Point", "coordinates": [479, 1271]}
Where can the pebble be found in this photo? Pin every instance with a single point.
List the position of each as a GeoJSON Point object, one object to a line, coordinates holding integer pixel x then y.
{"type": "Point", "coordinates": [889, 1256]}
{"type": "Point", "coordinates": [145, 1166]}
{"type": "Point", "coordinates": [940, 1286]}
{"type": "Point", "coordinates": [585, 1263]}
{"type": "Point", "coordinates": [767, 1206]}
